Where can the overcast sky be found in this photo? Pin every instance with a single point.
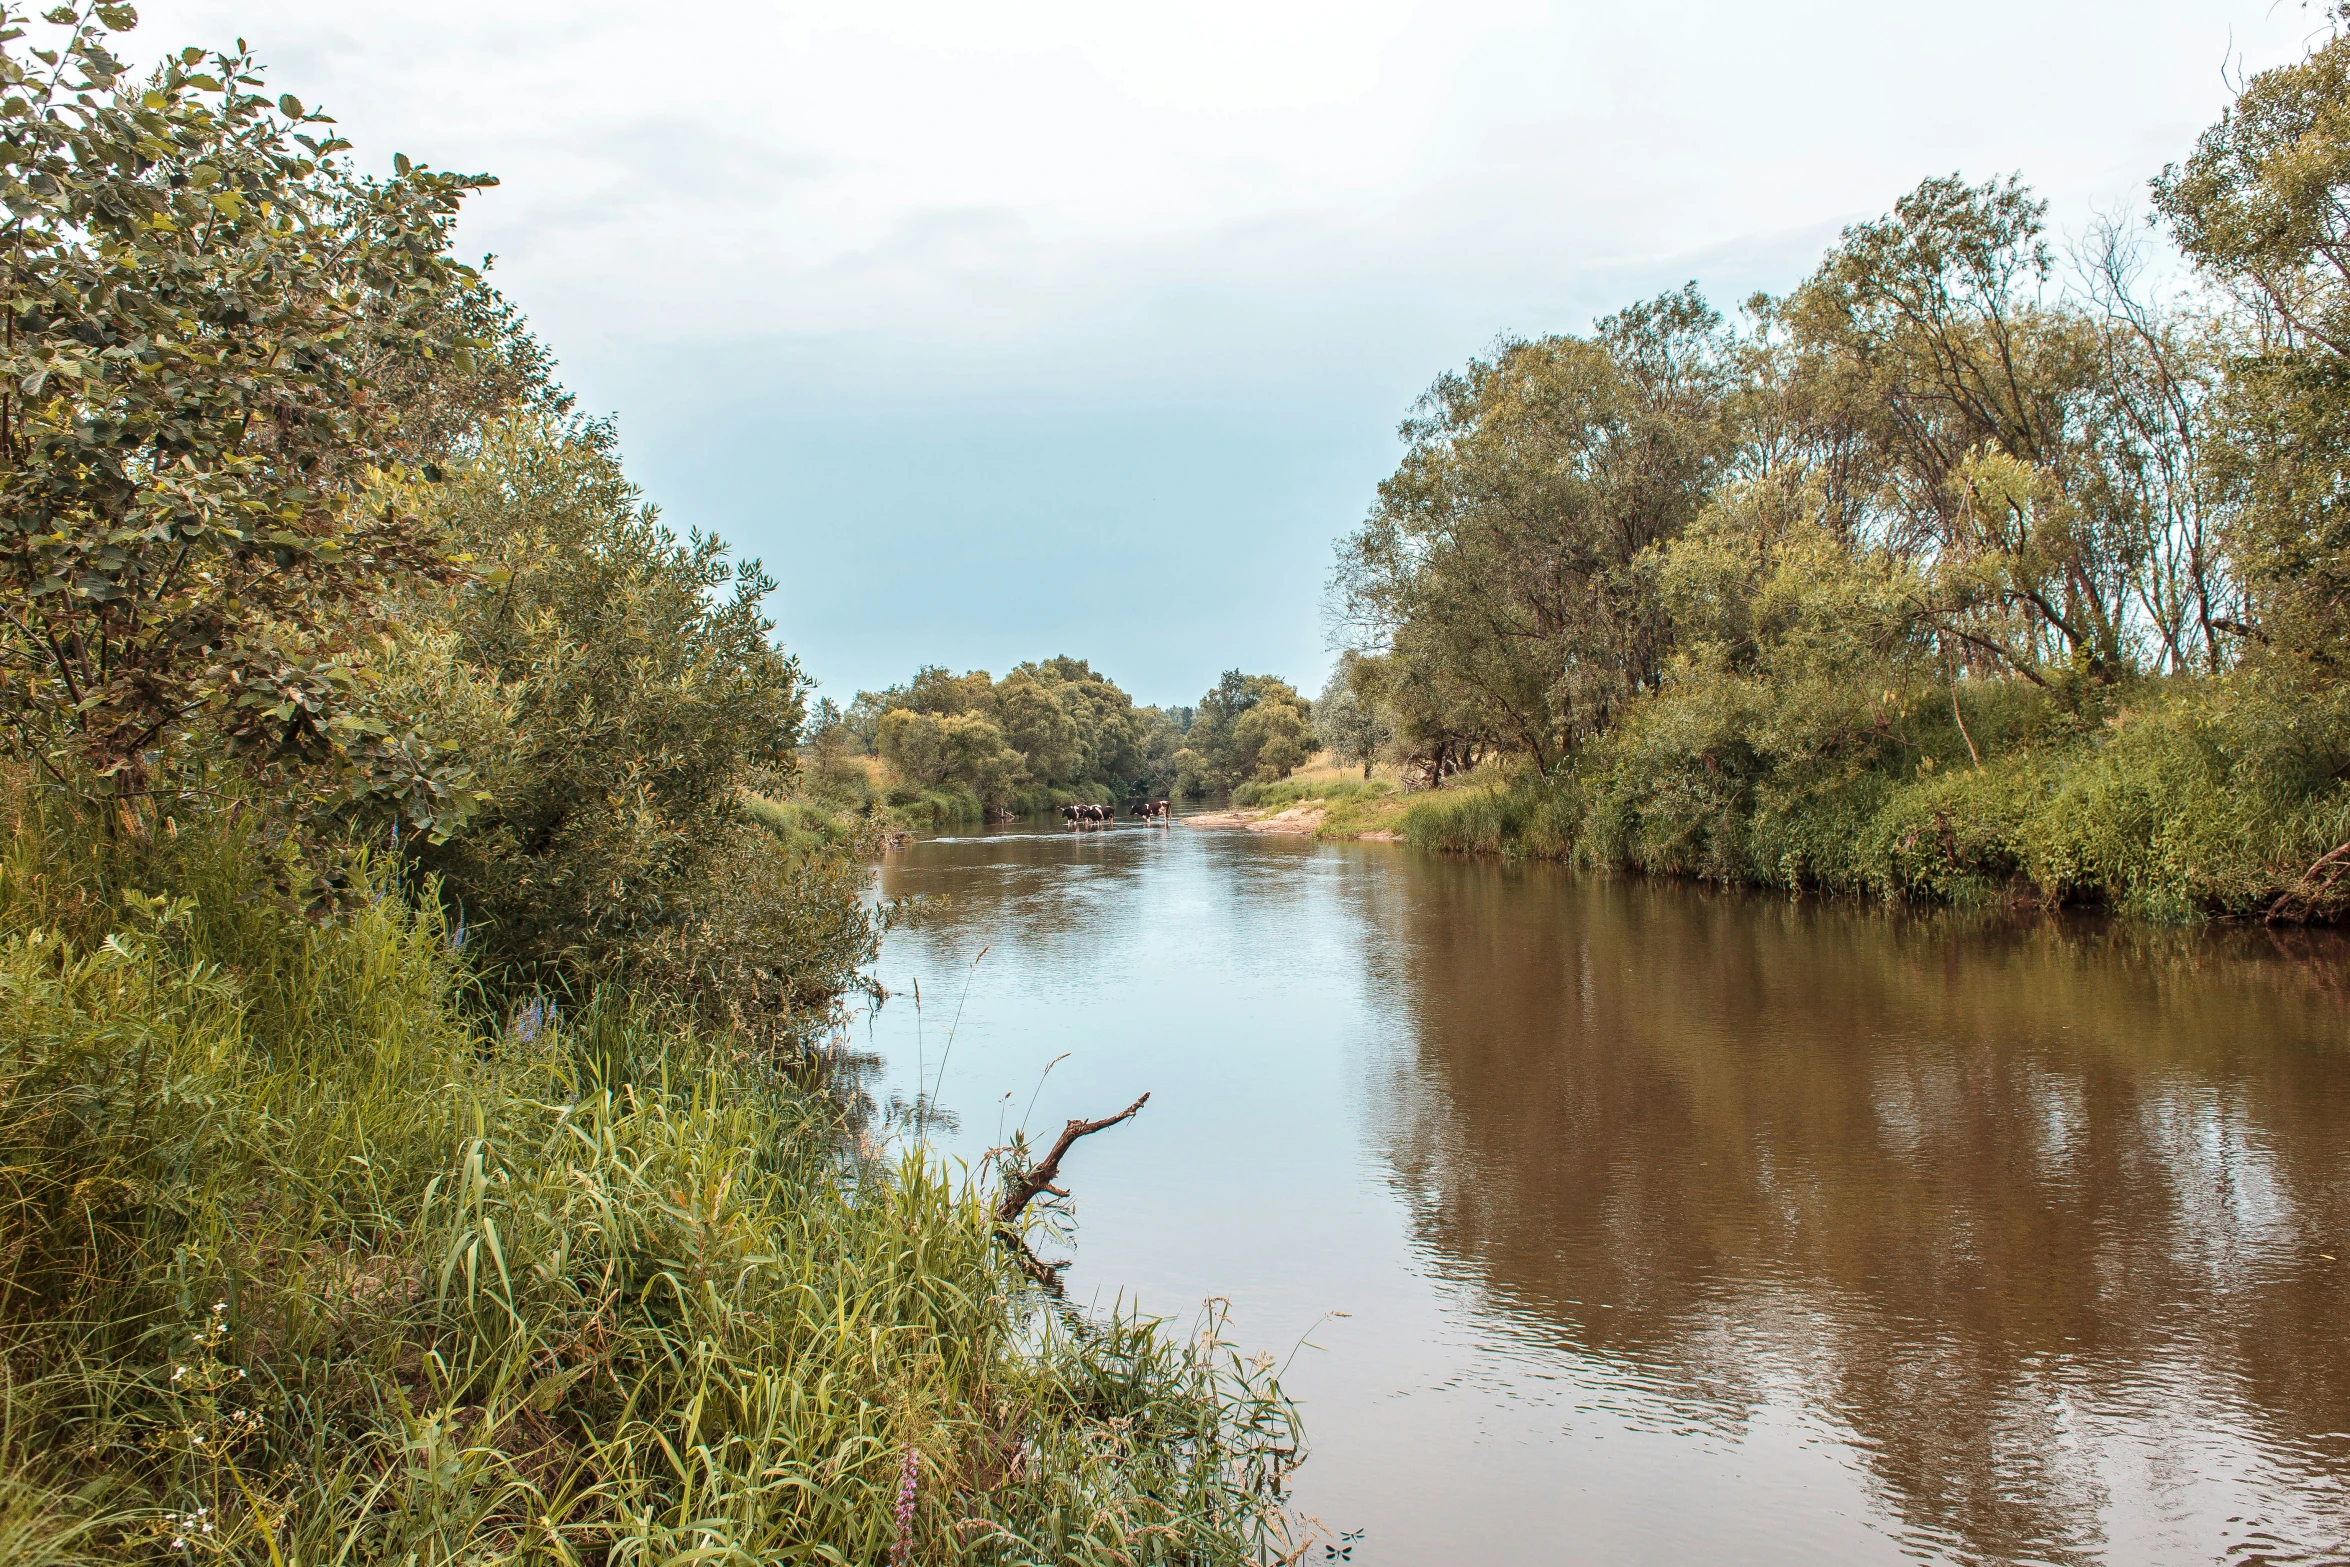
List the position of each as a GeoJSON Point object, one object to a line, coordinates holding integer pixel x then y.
{"type": "Point", "coordinates": [1009, 330]}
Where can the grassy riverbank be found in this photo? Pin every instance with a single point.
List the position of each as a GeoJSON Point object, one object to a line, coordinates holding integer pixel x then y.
{"type": "Point", "coordinates": [1330, 800]}
{"type": "Point", "coordinates": [2180, 801]}
{"type": "Point", "coordinates": [309, 1257]}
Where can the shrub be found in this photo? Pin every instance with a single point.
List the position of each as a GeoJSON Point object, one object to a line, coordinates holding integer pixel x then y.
{"type": "Point", "coordinates": [184, 540]}
{"type": "Point", "coordinates": [621, 688]}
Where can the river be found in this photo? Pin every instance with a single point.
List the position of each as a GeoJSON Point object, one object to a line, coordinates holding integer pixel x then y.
{"type": "Point", "coordinates": [1677, 1225]}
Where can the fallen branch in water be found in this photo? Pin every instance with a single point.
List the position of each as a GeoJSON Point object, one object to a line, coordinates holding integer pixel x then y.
{"type": "Point", "coordinates": [2312, 885]}
{"type": "Point", "coordinates": [1045, 1275]}
{"type": "Point", "coordinates": [1039, 1180]}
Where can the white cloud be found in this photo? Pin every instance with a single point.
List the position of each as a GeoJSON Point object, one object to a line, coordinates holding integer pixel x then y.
{"type": "Point", "coordinates": [990, 170]}
{"type": "Point", "coordinates": [906, 295]}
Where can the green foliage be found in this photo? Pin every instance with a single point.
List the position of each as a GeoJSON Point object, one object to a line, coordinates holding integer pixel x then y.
{"type": "Point", "coordinates": [1496, 811]}
{"type": "Point", "coordinates": [1246, 728]}
{"type": "Point", "coordinates": [952, 805]}
{"type": "Point", "coordinates": [2191, 801]}
{"type": "Point", "coordinates": [1985, 589]}
{"type": "Point", "coordinates": [622, 688]}
{"type": "Point", "coordinates": [2263, 207]}
{"type": "Point", "coordinates": [931, 749]}
{"type": "Point", "coordinates": [1050, 732]}
{"type": "Point", "coordinates": [1502, 572]}
{"type": "Point", "coordinates": [334, 1239]}
{"type": "Point", "coordinates": [302, 1260]}
{"type": "Point", "coordinates": [197, 290]}
{"type": "Point", "coordinates": [1348, 715]}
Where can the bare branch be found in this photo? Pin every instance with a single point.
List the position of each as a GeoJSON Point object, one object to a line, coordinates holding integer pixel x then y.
{"type": "Point", "coordinates": [1040, 1179]}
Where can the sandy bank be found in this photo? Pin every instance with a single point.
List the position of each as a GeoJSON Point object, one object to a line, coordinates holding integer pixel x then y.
{"type": "Point", "coordinates": [1303, 819]}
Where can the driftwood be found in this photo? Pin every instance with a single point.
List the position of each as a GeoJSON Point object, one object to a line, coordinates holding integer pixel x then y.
{"type": "Point", "coordinates": [1039, 1179]}
{"type": "Point", "coordinates": [2312, 885]}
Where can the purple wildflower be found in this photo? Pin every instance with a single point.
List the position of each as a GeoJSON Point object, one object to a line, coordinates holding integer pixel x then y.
{"type": "Point", "coordinates": [909, 1475]}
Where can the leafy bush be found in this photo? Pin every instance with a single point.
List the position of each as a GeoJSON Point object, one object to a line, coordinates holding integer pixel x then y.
{"type": "Point", "coordinates": [620, 687]}
{"type": "Point", "coordinates": [2199, 800]}
{"type": "Point", "coordinates": [186, 543]}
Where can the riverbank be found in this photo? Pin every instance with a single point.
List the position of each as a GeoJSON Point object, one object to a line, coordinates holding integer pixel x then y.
{"type": "Point", "coordinates": [1310, 820]}
{"type": "Point", "coordinates": [2176, 801]}
{"type": "Point", "coordinates": [311, 1249]}
{"type": "Point", "coordinates": [1326, 801]}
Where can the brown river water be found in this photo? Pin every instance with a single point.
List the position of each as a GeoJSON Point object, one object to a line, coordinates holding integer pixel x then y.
{"type": "Point", "coordinates": [1673, 1225]}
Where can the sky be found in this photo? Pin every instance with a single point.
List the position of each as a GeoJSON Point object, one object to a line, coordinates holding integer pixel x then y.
{"type": "Point", "coordinates": [1001, 331]}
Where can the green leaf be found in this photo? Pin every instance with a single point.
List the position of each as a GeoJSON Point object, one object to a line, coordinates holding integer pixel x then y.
{"type": "Point", "coordinates": [289, 106]}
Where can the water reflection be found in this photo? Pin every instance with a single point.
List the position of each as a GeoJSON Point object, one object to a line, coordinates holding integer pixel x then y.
{"type": "Point", "coordinates": [1686, 1224]}
{"type": "Point", "coordinates": [2036, 1214]}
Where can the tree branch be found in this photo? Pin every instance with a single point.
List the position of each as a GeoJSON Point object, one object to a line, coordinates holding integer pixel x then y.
{"type": "Point", "coordinates": [1039, 1180]}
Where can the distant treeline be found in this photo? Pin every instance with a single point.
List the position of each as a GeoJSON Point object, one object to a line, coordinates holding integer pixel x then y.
{"type": "Point", "coordinates": [1974, 565]}
{"type": "Point", "coordinates": [1050, 733]}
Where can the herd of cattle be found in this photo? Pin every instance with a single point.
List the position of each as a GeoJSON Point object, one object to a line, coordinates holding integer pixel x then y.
{"type": "Point", "coordinates": [1103, 815]}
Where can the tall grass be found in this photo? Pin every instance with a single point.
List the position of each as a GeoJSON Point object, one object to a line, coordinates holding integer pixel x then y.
{"type": "Point", "coordinates": [1293, 791]}
{"type": "Point", "coordinates": [304, 1259]}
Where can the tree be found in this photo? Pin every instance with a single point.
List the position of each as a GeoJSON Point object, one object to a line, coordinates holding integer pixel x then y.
{"type": "Point", "coordinates": [1501, 570]}
{"type": "Point", "coordinates": [2037, 454]}
{"type": "Point", "coordinates": [1039, 728]}
{"type": "Point", "coordinates": [1109, 728]}
{"type": "Point", "coordinates": [1066, 727]}
{"type": "Point", "coordinates": [1247, 727]}
{"type": "Point", "coordinates": [1347, 716]}
{"type": "Point", "coordinates": [932, 749]}
{"type": "Point", "coordinates": [2262, 206]}
{"type": "Point", "coordinates": [196, 293]}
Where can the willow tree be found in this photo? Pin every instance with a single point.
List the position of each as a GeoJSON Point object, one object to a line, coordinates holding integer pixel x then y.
{"type": "Point", "coordinates": [2263, 208]}
{"type": "Point", "coordinates": [1502, 571]}
{"type": "Point", "coordinates": [2039, 453]}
